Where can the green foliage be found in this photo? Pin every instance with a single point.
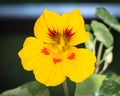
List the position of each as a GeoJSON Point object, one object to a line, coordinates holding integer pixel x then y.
{"type": "Point", "coordinates": [89, 86]}
{"type": "Point", "coordinates": [102, 33]}
{"type": "Point", "coordinates": [87, 27]}
{"type": "Point", "coordinates": [90, 43]}
{"type": "Point", "coordinates": [29, 89]}
{"type": "Point", "coordinates": [114, 77]}
{"type": "Point", "coordinates": [108, 18]}
{"type": "Point", "coordinates": [99, 85]}
{"type": "Point", "coordinates": [109, 88]}
{"type": "Point", "coordinates": [108, 50]}
{"type": "Point", "coordinates": [108, 54]}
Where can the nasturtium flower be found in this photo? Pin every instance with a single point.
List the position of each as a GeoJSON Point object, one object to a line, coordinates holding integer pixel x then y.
{"type": "Point", "coordinates": [52, 55]}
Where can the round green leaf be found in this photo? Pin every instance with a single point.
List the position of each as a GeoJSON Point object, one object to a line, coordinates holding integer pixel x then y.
{"type": "Point", "coordinates": [109, 88]}
{"type": "Point", "coordinates": [90, 86]}
{"type": "Point", "coordinates": [102, 33]}
{"type": "Point", "coordinates": [29, 89]}
{"type": "Point", "coordinates": [108, 18]}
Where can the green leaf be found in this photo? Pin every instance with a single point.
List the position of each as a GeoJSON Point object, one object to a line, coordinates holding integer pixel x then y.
{"type": "Point", "coordinates": [108, 50]}
{"type": "Point", "coordinates": [102, 33]}
{"type": "Point", "coordinates": [108, 18]}
{"type": "Point", "coordinates": [87, 27]}
{"type": "Point", "coordinates": [90, 86]}
{"type": "Point", "coordinates": [108, 55]}
{"type": "Point", "coordinates": [109, 88]}
{"type": "Point", "coordinates": [114, 77]}
{"type": "Point", "coordinates": [90, 43]}
{"type": "Point", "coordinates": [29, 89]}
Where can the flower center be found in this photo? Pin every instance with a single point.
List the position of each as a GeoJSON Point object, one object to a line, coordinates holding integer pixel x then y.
{"type": "Point", "coordinates": [67, 35]}
{"type": "Point", "coordinates": [61, 39]}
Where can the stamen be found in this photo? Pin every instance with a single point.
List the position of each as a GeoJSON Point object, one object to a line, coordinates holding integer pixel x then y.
{"type": "Point", "coordinates": [71, 56]}
{"type": "Point", "coordinates": [56, 60]}
{"type": "Point", "coordinates": [68, 33]}
{"type": "Point", "coordinates": [45, 51]}
{"type": "Point", "coordinates": [51, 32]}
{"type": "Point", "coordinates": [55, 36]}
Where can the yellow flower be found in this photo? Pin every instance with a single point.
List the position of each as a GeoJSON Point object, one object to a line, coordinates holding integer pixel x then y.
{"type": "Point", "coordinates": [52, 55]}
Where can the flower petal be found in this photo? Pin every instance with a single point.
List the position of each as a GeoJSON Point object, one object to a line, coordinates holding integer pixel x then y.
{"type": "Point", "coordinates": [79, 64]}
{"type": "Point", "coordinates": [49, 73]}
{"type": "Point", "coordinates": [74, 21]}
{"type": "Point", "coordinates": [45, 62]}
{"type": "Point", "coordinates": [47, 21]}
{"type": "Point", "coordinates": [30, 53]}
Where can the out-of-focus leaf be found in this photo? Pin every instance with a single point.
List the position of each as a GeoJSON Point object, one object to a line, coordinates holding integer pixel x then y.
{"type": "Point", "coordinates": [89, 86]}
{"type": "Point", "coordinates": [109, 88]}
{"type": "Point", "coordinates": [114, 77]}
{"type": "Point", "coordinates": [108, 55]}
{"type": "Point", "coordinates": [29, 89]}
{"type": "Point", "coordinates": [108, 50]}
{"type": "Point", "coordinates": [109, 58]}
{"type": "Point", "coordinates": [87, 27]}
{"type": "Point", "coordinates": [90, 43]}
{"type": "Point", "coordinates": [108, 18]}
{"type": "Point", "coordinates": [102, 33]}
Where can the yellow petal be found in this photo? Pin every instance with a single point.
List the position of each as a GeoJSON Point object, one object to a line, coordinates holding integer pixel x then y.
{"type": "Point", "coordinates": [79, 64]}
{"type": "Point", "coordinates": [30, 53]}
{"type": "Point", "coordinates": [48, 20]}
{"type": "Point", "coordinates": [45, 62]}
{"type": "Point", "coordinates": [75, 21]}
{"type": "Point", "coordinates": [49, 73]}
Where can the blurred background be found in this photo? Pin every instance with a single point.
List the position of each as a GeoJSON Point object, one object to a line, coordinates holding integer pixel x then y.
{"type": "Point", "coordinates": [59, 1]}
{"type": "Point", "coordinates": [17, 18]}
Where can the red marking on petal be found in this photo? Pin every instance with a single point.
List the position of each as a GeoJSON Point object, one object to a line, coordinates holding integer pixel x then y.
{"type": "Point", "coordinates": [71, 56]}
{"type": "Point", "coordinates": [69, 33]}
{"type": "Point", "coordinates": [51, 32]}
{"type": "Point", "coordinates": [45, 51]}
{"type": "Point", "coordinates": [56, 60]}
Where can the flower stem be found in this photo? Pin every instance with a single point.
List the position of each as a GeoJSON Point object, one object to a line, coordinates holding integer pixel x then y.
{"type": "Point", "coordinates": [104, 68]}
{"type": "Point", "coordinates": [65, 88]}
{"type": "Point", "coordinates": [99, 52]}
{"type": "Point", "coordinates": [99, 57]}
{"type": "Point", "coordinates": [94, 47]}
